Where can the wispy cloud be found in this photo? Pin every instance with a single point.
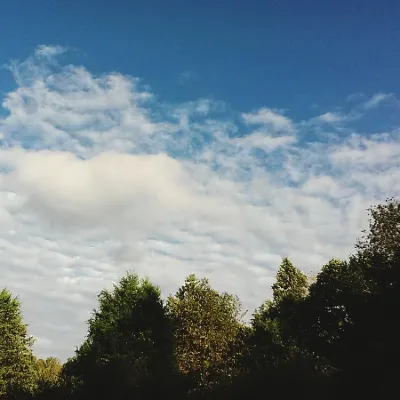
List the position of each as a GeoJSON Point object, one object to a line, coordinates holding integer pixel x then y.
{"type": "Point", "coordinates": [99, 177]}
{"type": "Point", "coordinates": [49, 51]}
{"type": "Point", "coordinates": [273, 119]}
{"type": "Point", "coordinates": [263, 141]}
{"type": "Point", "coordinates": [330, 118]}
{"type": "Point", "coordinates": [377, 99]}
{"type": "Point", "coordinates": [366, 103]}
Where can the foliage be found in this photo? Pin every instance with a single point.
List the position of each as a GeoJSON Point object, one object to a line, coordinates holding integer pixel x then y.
{"type": "Point", "coordinates": [48, 372]}
{"type": "Point", "coordinates": [129, 347]}
{"type": "Point", "coordinates": [273, 346]}
{"type": "Point", "coordinates": [351, 319]}
{"type": "Point", "coordinates": [291, 284]}
{"type": "Point", "coordinates": [17, 370]}
{"type": "Point", "coordinates": [206, 325]}
{"type": "Point", "coordinates": [384, 231]}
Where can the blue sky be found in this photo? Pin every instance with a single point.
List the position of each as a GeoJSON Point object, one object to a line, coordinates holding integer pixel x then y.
{"type": "Point", "coordinates": [283, 54]}
{"type": "Point", "coordinates": [187, 137]}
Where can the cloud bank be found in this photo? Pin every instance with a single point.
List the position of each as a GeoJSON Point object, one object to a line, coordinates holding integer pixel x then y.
{"type": "Point", "coordinates": [99, 176]}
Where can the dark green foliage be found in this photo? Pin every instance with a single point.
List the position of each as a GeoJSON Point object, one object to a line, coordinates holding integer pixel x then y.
{"type": "Point", "coordinates": [351, 318]}
{"type": "Point", "coordinates": [275, 361]}
{"type": "Point", "coordinates": [129, 347]}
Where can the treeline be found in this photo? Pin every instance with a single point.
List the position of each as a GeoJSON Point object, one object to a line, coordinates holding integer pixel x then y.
{"type": "Point", "coordinates": [335, 336]}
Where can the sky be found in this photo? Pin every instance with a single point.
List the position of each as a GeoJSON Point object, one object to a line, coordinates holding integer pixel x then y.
{"type": "Point", "coordinates": [178, 137]}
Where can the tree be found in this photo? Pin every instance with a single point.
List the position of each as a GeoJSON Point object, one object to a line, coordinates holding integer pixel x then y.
{"type": "Point", "coordinates": [279, 315]}
{"type": "Point", "coordinates": [329, 310]}
{"type": "Point", "coordinates": [48, 372]}
{"type": "Point", "coordinates": [290, 283]}
{"type": "Point", "coordinates": [373, 348]}
{"type": "Point", "coordinates": [17, 370]}
{"type": "Point", "coordinates": [350, 318]}
{"type": "Point", "coordinates": [129, 347]}
{"type": "Point", "coordinates": [384, 230]}
{"type": "Point", "coordinates": [206, 325]}
{"type": "Point", "coordinates": [275, 359]}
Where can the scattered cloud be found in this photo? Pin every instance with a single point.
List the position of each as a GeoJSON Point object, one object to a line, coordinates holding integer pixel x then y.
{"type": "Point", "coordinates": [263, 141]}
{"type": "Point", "coordinates": [98, 176]}
{"type": "Point", "coordinates": [47, 51]}
{"type": "Point", "coordinates": [366, 153]}
{"type": "Point", "coordinates": [330, 118]}
{"type": "Point", "coordinates": [377, 99]}
{"type": "Point", "coordinates": [272, 119]}
{"type": "Point", "coordinates": [364, 103]}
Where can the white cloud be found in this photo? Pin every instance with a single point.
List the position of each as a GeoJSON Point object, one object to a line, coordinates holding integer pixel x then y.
{"type": "Point", "coordinates": [359, 108]}
{"type": "Point", "coordinates": [330, 118]}
{"type": "Point", "coordinates": [99, 177]}
{"type": "Point", "coordinates": [264, 141]}
{"type": "Point", "coordinates": [270, 118]}
{"type": "Point", "coordinates": [107, 185]}
{"type": "Point", "coordinates": [49, 51]}
{"type": "Point", "coordinates": [360, 152]}
{"type": "Point", "coordinates": [377, 99]}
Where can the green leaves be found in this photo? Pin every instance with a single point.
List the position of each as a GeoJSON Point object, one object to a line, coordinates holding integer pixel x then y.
{"type": "Point", "coordinates": [273, 339]}
{"type": "Point", "coordinates": [129, 342]}
{"type": "Point", "coordinates": [290, 283]}
{"type": "Point", "coordinates": [384, 230]}
{"type": "Point", "coordinates": [206, 324]}
{"type": "Point", "coordinates": [17, 369]}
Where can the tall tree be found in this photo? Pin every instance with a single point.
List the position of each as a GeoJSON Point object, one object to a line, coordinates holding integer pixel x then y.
{"type": "Point", "coordinates": [350, 319]}
{"type": "Point", "coordinates": [373, 348]}
{"type": "Point", "coordinates": [328, 312]}
{"type": "Point", "coordinates": [129, 347]}
{"type": "Point", "coordinates": [275, 359]}
{"type": "Point", "coordinates": [17, 369]}
{"type": "Point", "coordinates": [290, 283]}
{"type": "Point", "coordinates": [276, 316]}
{"type": "Point", "coordinates": [206, 325]}
{"type": "Point", "coordinates": [289, 290]}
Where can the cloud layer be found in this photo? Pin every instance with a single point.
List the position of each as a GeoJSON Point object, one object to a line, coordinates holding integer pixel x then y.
{"type": "Point", "coordinates": [100, 176]}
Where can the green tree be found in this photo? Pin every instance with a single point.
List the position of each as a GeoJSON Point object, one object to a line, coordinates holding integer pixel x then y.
{"type": "Point", "coordinates": [275, 315]}
{"type": "Point", "coordinates": [279, 315]}
{"type": "Point", "coordinates": [289, 292]}
{"type": "Point", "coordinates": [48, 372]}
{"type": "Point", "coordinates": [17, 369]}
{"type": "Point", "coordinates": [129, 347]}
{"type": "Point", "coordinates": [275, 358]}
{"type": "Point", "coordinates": [350, 318]}
{"type": "Point", "coordinates": [372, 346]}
{"type": "Point", "coordinates": [206, 325]}
{"type": "Point", "coordinates": [383, 236]}
{"type": "Point", "coordinates": [290, 283]}
{"type": "Point", "coordinates": [328, 312]}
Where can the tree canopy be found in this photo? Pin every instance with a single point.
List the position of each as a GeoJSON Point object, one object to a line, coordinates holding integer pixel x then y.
{"type": "Point", "coordinates": [129, 346]}
{"type": "Point", "coordinates": [206, 325]}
